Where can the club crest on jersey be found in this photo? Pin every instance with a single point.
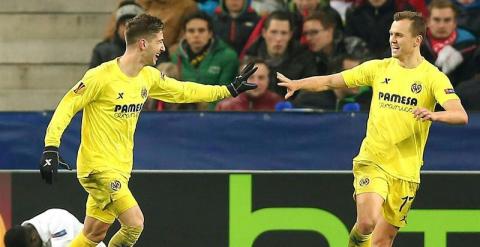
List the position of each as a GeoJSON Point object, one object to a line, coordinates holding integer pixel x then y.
{"type": "Point", "coordinates": [144, 93]}
{"type": "Point", "coordinates": [115, 185]}
{"type": "Point", "coordinates": [80, 88]}
{"type": "Point", "coordinates": [364, 182]}
{"type": "Point", "coordinates": [416, 87]}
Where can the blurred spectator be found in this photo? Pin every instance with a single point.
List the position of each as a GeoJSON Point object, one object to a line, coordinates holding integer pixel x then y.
{"type": "Point", "coordinates": [355, 55]}
{"type": "Point", "coordinates": [450, 48]}
{"type": "Point", "coordinates": [303, 8]}
{"type": "Point", "coordinates": [469, 16]}
{"type": "Point", "coordinates": [371, 22]}
{"type": "Point", "coordinates": [171, 13]}
{"type": "Point", "coordinates": [265, 7]}
{"type": "Point", "coordinates": [326, 42]}
{"type": "Point", "coordinates": [329, 48]}
{"type": "Point", "coordinates": [201, 57]}
{"type": "Point", "coordinates": [280, 52]}
{"type": "Point", "coordinates": [234, 20]}
{"type": "Point", "coordinates": [341, 7]}
{"type": "Point", "coordinates": [207, 6]}
{"type": "Point", "coordinates": [469, 93]}
{"type": "Point", "coordinates": [114, 44]}
{"type": "Point", "coordinates": [259, 99]}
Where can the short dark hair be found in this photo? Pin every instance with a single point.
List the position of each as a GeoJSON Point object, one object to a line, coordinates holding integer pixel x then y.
{"type": "Point", "coordinates": [198, 15]}
{"type": "Point", "coordinates": [278, 15]}
{"type": "Point", "coordinates": [17, 236]}
{"type": "Point", "coordinates": [142, 26]}
{"type": "Point", "coordinates": [326, 18]}
{"type": "Point", "coordinates": [417, 27]}
{"type": "Point", "coordinates": [254, 60]}
{"type": "Point", "coordinates": [442, 4]}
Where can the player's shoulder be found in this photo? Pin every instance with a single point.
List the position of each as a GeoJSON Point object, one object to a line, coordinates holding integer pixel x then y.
{"type": "Point", "coordinates": [57, 212]}
{"type": "Point", "coordinates": [101, 69]}
{"type": "Point", "coordinates": [432, 71]}
{"type": "Point", "coordinates": [378, 62]}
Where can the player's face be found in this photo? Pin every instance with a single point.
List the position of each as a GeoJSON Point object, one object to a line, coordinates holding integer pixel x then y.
{"type": "Point", "coordinates": [260, 77]}
{"type": "Point", "coordinates": [234, 6]}
{"type": "Point", "coordinates": [441, 22]}
{"type": "Point", "coordinates": [402, 42]}
{"type": "Point", "coordinates": [277, 37]}
{"type": "Point", "coordinates": [153, 47]}
{"type": "Point", "coordinates": [316, 35]}
{"type": "Point", "coordinates": [197, 34]}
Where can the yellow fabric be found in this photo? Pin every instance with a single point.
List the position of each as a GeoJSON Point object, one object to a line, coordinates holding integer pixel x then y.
{"type": "Point", "coordinates": [108, 196]}
{"type": "Point", "coordinates": [81, 241]}
{"type": "Point", "coordinates": [356, 239]}
{"type": "Point", "coordinates": [111, 103]}
{"type": "Point", "coordinates": [2, 231]}
{"type": "Point", "coordinates": [125, 237]}
{"type": "Point", "coordinates": [395, 140]}
{"type": "Point", "coordinates": [397, 193]}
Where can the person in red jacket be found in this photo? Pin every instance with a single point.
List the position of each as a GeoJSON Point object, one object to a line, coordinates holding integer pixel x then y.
{"type": "Point", "coordinates": [259, 99]}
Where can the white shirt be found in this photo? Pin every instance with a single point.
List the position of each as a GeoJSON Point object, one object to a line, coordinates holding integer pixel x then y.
{"type": "Point", "coordinates": [56, 227]}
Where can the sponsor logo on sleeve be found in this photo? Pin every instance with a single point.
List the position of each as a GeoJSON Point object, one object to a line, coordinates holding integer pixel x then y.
{"type": "Point", "coordinates": [59, 234]}
{"type": "Point", "coordinates": [144, 93]}
{"type": "Point", "coordinates": [449, 90]}
{"type": "Point", "coordinates": [80, 88]}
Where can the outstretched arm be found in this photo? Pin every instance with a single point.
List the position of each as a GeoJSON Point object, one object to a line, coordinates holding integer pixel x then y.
{"type": "Point", "coordinates": [314, 83]}
{"type": "Point", "coordinates": [453, 114]}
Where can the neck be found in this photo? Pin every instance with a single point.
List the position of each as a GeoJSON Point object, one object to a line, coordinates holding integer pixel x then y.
{"type": "Point", "coordinates": [327, 49]}
{"type": "Point", "coordinates": [130, 63]}
{"type": "Point", "coordinates": [411, 61]}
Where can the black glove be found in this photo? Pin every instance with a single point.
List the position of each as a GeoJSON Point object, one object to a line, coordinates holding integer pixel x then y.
{"type": "Point", "coordinates": [240, 84]}
{"type": "Point", "coordinates": [50, 162]}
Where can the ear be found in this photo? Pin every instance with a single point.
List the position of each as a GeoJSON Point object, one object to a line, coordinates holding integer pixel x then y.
{"type": "Point", "coordinates": [143, 44]}
{"type": "Point", "coordinates": [418, 40]}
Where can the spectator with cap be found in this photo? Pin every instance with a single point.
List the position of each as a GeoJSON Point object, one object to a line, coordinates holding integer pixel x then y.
{"type": "Point", "coordinates": [114, 45]}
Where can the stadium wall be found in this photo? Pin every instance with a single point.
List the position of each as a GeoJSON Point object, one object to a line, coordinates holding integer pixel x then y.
{"type": "Point", "coordinates": [263, 209]}
{"type": "Point", "coordinates": [239, 141]}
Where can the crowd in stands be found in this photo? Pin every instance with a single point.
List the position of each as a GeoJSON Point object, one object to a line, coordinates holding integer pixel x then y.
{"type": "Point", "coordinates": [208, 41]}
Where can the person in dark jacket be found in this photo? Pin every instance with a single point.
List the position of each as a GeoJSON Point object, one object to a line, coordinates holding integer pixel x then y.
{"type": "Point", "coordinates": [371, 22]}
{"type": "Point", "coordinates": [114, 45]}
{"type": "Point", "coordinates": [233, 21]}
{"type": "Point", "coordinates": [282, 53]}
{"type": "Point", "coordinates": [450, 48]}
{"type": "Point", "coordinates": [300, 9]}
{"type": "Point", "coordinates": [468, 17]}
{"type": "Point", "coordinates": [329, 46]}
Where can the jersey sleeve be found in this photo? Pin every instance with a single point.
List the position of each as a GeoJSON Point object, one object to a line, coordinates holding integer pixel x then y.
{"type": "Point", "coordinates": [442, 88]}
{"type": "Point", "coordinates": [174, 91]}
{"type": "Point", "coordinates": [361, 75]}
{"type": "Point", "coordinates": [84, 92]}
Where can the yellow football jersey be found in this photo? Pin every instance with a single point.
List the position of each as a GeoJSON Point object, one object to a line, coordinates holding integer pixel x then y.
{"type": "Point", "coordinates": [395, 140]}
{"type": "Point", "coordinates": [111, 103]}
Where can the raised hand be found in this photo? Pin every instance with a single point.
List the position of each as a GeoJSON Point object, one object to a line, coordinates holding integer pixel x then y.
{"type": "Point", "coordinates": [240, 84]}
